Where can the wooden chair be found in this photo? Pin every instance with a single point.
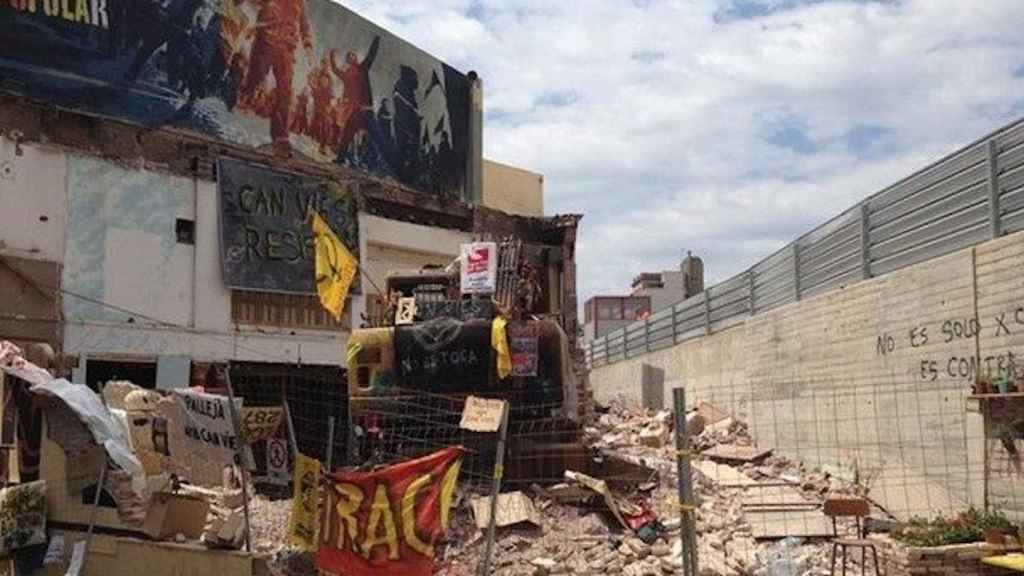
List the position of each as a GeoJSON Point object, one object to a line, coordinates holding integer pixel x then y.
{"type": "Point", "coordinates": [854, 511]}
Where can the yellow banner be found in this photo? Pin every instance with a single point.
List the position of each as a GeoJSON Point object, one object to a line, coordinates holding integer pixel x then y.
{"type": "Point", "coordinates": [335, 268]}
{"type": "Point", "coordinates": [305, 521]}
{"type": "Point", "coordinates": [499, 341]}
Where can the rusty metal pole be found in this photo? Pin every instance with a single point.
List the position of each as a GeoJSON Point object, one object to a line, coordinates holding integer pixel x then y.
{"type": "Point", "coordinates": [499, 472]}
{"type": "Point", "coordinates": [330, 445]}
{"type": "Point", "coordinates": [687, 504]}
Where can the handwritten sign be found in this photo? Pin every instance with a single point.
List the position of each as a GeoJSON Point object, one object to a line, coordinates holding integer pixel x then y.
{"type": "Point", "coordinates": [513, 508]}
{"type": "Point", "coordinates": [261, 423]}
{"type": "Point", "coordinates": [209, 432]}
{"type": "Point", "coordinates": [387, 522]}
{"type": "Point", "coordinates": [482, 415]}
{"type": "Point", "coordinates": [266, 238]}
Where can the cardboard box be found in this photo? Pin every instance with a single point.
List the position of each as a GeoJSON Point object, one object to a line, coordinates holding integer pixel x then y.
{"type": "Point", "coordinates": [172, 514]}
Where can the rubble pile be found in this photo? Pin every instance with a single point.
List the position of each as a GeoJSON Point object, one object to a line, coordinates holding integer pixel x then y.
{"type": "Point", "coordinates": [586, 539]}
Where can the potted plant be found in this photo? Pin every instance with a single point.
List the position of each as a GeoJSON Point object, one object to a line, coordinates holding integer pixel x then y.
{"type": "Point", "coordinates": [1002, 384]}
{"type": "Point", "coordinates": [983, 386]}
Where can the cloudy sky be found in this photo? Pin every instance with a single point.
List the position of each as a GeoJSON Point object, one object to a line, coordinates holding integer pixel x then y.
{"type": "Point", "coordinates": [723, 127]}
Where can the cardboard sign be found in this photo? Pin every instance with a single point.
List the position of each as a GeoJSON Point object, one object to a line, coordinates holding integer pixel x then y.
{"type": "Point", "coordinates": [304, 525]}
{"type": "Point", "coordinates": [482, 415]}
{"type": "Point", "coordinates": [209, 432]}
{"type": "Point", "coordinates": [479, 268]}
{"type": "Point", "coordinates": [406, 312]}
{"type": "Point", "coordinates": [261, 423]}
{"type": "Point", "coordinates": [278, 471]}
{"type": "Point", "coordinates": [22, 516]}
{"type": "Point", "coordinates": [387, 522]}
{"type": "Point", "coordinates": [513, 508]}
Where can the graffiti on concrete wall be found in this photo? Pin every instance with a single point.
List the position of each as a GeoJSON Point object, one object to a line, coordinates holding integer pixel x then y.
{"type": "Point", "coordinates": [302, 77]}
{"type": "Point", "coordinates": [1004, 414]}
{"type": "Point", "coordinates": [951, 331]}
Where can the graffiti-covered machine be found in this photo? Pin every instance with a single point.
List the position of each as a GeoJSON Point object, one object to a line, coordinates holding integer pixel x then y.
{"type": "Point", "coordinates": [433, 345]}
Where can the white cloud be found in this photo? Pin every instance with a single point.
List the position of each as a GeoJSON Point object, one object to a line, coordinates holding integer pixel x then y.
{"type": "Point", "coordinates": [683, 124]}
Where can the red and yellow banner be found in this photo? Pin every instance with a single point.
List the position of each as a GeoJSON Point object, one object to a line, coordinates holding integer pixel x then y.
{"type": "Point", "coordinates": [386, 522]}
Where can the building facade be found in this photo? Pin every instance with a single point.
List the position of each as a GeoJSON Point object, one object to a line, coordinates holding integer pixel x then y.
{"type": "Point", "coordinates": [119, 243]}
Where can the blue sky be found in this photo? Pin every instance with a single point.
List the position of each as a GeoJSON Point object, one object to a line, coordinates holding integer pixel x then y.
{"type": "Point", "coordinates": [723, 127]}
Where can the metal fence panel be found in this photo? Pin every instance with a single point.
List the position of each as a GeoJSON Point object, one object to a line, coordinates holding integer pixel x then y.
{"type": "Point", "coordinates": [968, 217]}
{"type": "Point", "coordinates": [818, 254]}
{"type": "Point", "coordinates": [973, 176]}
{"type": "Point", "coordinates": [956, 240]}
{"type": "Point", "coordinates": [850, 262]}
{"type": "Point", "coordinates": [838, 281]}
{"type": "Point", "coordinates": [1011, 157]}
{"type": "Point", "coordinates": [736, 309]}
{"type": "Point", "coordinates": [777, 298]}
{"type": "Point", "coordinates": [965, 198]}
{"type": "Point", "coordinates": [828, 260]}
{"type": "Point", "coordinates": [929, 176]}
{"type": "Point", "coordinates": [1011, 136]}
{"type": "Point", "coordinates": [1013, 222]}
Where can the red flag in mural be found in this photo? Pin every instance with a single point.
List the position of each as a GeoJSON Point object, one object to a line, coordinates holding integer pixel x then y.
{"type": "Point", "coordinates": [387, 522]}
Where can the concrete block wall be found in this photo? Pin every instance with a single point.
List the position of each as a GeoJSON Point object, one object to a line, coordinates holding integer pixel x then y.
{"type": "Point", "coordinates": [875, 377]}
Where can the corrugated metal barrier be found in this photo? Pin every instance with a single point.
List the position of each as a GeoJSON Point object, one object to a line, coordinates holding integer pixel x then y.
{"type": "Point", "coordinates": [971, 196]}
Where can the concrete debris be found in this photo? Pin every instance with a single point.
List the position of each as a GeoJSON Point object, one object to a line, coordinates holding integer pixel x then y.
{"type": "Point", "coordinates": [224, 528]}
{"type": "Point", "coordinates": [578, 537]}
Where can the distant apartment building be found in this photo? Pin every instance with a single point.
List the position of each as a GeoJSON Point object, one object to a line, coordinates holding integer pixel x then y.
{"type": "Point", "coordinates": [604, 314]}
{"type": "Point", "coordinates": [670, 286]}
{"type": "Point", "coordinates": [651, 292]}
{"type": "Point", "coordinates": [663, 288]}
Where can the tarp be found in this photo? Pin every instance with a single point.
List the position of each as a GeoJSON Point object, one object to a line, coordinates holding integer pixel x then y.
{"type": "Point", "coordinates": [386, 522]}
{"type": "Point", "coordinates": [105, 428]}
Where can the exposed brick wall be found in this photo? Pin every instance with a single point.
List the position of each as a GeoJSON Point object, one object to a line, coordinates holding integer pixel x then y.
{"type": "Point", "coordinates": [955, 559]}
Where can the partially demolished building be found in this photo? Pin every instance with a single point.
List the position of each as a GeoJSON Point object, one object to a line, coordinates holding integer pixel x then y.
{"type": "Point", "coordinates": [157, 168]}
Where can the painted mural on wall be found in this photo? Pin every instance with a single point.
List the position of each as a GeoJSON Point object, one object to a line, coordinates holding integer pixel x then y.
{"type": "Point", "coordinates": [292, 76]}
{"type": "Point", "coordinates": [267, 241]}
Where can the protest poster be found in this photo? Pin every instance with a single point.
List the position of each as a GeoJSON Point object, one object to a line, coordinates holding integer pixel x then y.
{"type": "Point", "coordinates": [479, 272]}
{"type": "Point", "coordinates": [261, 423]}
{"type": "Point", "coordinates": [204, 435]}
{"type": "Point", "coordinates": [305, 520]}
{"type": "Point", "coordinates": [387, 522]}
